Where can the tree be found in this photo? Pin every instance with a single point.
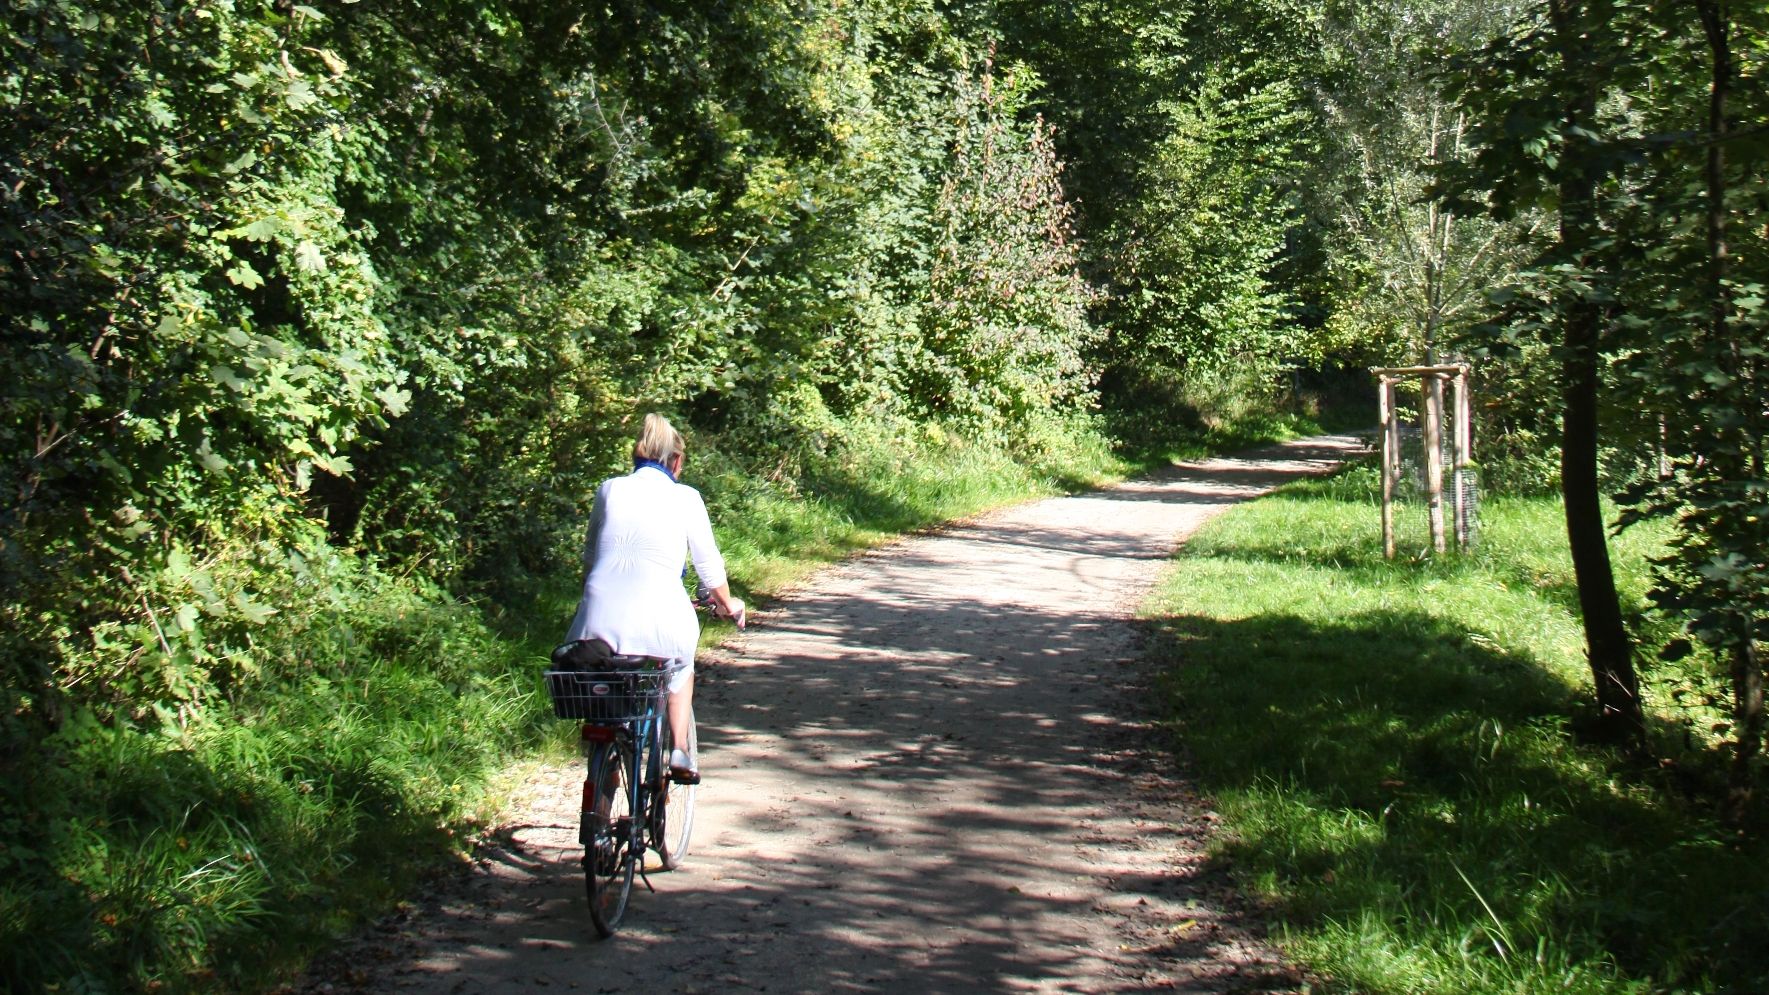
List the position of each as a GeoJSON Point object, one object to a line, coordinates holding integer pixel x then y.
{"type": "Point", "coordinates": [1699, 304]}
{"type": "Point", "coordinates": [1730, 504]}
{"type": "Point", "coordinates": [1535, 99]}
{"type": "Point", "coordinates": [1006, 331]}
{"type": "Point", "coordinates": [186, 331]}
{"type": "Point", "coordinates": [1415, 272]}
{"type": "Point", "coordinates": [1192, 138]}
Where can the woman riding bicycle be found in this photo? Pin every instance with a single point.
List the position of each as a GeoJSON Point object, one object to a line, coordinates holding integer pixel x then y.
{"type": "Point", "coordinates": [633, 597]}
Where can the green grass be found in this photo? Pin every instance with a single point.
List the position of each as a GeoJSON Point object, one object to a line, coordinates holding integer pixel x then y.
{"type": "Point", "coordinates": [868, 483]}
{"type": "Point", "coordinates": [1389, 747]}
{"type": "Point", "coordinates": [209, 849]}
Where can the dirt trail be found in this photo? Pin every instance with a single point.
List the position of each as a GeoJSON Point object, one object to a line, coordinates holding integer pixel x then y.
{"type": "Point", "coordinates": [926, 771]}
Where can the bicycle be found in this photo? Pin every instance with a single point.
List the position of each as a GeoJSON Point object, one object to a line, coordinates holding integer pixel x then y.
{"type": "Point", "coordinates": [631, 803]}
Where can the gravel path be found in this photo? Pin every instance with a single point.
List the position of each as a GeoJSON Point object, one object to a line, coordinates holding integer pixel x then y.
{"type": "Point", "coordinates": [927, 771]}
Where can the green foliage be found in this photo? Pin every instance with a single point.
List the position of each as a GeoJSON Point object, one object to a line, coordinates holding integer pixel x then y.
{"type": "Point", "coordinates": [1007, 326]}
{"type": "Point", "coordinates": [768, 250]}
{"type": "Point", "coordinates": [1700, 305]}
{"type": "Point", "coordinates": [196, 848]}
{"type": "Point", "coordinates": [314, 315]}
{"type": "Point", "coordinates": [1199, 278]}
{"type": "Point", "coordinates": [1389, 747]}
{"type": "Point", "coordinates": [1652, 117]}
{"type": "Point", "coordinates": [1194, 131]}
{"type": "Point", "coordinates": [186, 315]}
{"type": "Point", "coordinates": [411, 272]}
{"type": "Point", "coordinates": [1411, 274]}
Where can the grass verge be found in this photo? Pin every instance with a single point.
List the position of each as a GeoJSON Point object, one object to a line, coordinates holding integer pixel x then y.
{"type": "Point", "coordinates": [1388, 746]}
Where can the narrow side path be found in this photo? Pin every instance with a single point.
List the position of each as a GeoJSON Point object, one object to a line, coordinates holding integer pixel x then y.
{"type": "Point", "coordinates": [926, 771]}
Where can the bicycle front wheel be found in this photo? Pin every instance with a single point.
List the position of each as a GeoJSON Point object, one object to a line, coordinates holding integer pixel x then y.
{"type": "Point", "coordinates": [675, 804]}
{"type": "Point", "coordinates": [607, 834]}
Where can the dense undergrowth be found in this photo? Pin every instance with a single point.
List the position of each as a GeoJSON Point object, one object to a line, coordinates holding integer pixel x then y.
{"type": "Point", "coordinates": [1393, 749]}
{"type": "Point", "coordinates": [203, 846]}
{"type": "Point", "coordinates": [212, 844]}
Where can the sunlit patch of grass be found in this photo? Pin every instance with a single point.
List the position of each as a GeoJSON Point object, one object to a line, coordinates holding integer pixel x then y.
{"type": "Point", "coordinates": [869, 482]}
{"type": "Point", "coordinates": [1389, 746]}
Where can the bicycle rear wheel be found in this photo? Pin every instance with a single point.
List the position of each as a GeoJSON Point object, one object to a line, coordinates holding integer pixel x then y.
{"type": "Point", "coordinates": [674, 804]}
{"type": "Point", "coordinates": [609, 860]}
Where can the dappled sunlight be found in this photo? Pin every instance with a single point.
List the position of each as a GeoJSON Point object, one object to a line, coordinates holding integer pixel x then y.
{"type": "Point", "coordinates": [926, 850]}
{"type": "Point", "coordinates": [929, 771]}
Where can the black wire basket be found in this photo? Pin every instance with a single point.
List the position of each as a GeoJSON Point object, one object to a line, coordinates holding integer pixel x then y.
{"type": "Point", "coordinates": [604, 695]}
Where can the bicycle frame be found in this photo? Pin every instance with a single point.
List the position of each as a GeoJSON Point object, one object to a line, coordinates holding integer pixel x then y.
{"type": "Point", "coordinates": [642, 735]}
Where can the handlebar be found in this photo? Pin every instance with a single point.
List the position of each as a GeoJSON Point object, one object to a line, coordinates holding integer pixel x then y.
{"type": "Point", "coordinates": [703, 599]}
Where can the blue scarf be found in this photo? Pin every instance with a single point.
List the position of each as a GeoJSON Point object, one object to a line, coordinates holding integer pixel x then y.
{"type": "Point", "coordinates": [639, 463]}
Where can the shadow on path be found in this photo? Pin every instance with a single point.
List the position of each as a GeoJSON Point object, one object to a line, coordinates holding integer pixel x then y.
{"type": "Point", "coordinates": [928, 771]}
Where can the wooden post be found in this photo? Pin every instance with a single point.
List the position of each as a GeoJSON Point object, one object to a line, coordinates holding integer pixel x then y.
{"type": "Point", "coordinates": [1385, 404]}
{"type": "Point", "coordinates": [1394, 447]}
{"type": "Point", "coordinates": [1433, 419]}
{"type": "Point", "coordinates": [1456, 509]}
{"type": "Point", "coordinates": [1664, 449]}
{"type": "Point", "coordinates": [1464, 443]}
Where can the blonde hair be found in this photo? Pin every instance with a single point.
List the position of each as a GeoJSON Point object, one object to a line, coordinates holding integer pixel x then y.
{"type": "Point", "coordinates": [658, 440]}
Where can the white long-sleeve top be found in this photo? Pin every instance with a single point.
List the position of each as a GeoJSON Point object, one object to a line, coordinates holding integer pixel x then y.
{"type": "Point", "coordinates": [633, 597]}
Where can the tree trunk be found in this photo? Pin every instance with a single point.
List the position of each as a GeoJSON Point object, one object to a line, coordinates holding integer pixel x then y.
{"type": "Point", "coordinates": [1619, 715]}
{"type": "Point", "coordinates": [1620, 719]}
{"type": "Point", "coordinates": [1747, 721]}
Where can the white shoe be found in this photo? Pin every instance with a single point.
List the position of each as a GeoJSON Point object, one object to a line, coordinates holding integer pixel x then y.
{"type": "Point", "coordinates": [682, 769]}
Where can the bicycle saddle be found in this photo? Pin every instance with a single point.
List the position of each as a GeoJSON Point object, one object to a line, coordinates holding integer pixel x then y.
{"type": "Point", "coordinates": [583, 654]}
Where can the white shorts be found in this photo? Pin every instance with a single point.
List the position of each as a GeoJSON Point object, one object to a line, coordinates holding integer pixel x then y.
{"type": "Point", "coordinates": [680, 675]}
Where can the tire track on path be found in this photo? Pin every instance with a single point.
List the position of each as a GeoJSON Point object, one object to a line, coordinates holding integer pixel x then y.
{"type": "Point", "coordinates": [925, 771]}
